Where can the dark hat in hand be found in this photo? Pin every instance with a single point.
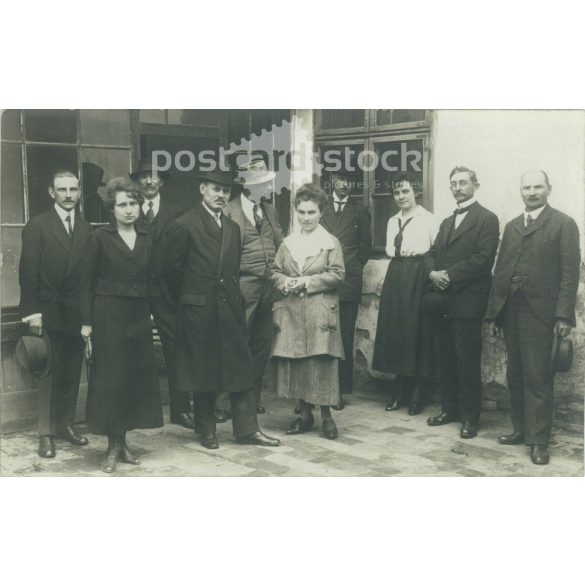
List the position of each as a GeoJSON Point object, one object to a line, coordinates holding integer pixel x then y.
{"type": "Point", "coordinates": [438, 304]}
{"type": "Point", "coordinates": [561, 357]}
{"type": "Point", "coordinates": [145, 166]}
{"type": "Point", "coordinates": [33, 353]}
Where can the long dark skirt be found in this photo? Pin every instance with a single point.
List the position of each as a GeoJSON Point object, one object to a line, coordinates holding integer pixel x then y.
{"type": "Point", "coordinates": [123, 393]}
{"type": "Point", "coordinates": [403, 344]}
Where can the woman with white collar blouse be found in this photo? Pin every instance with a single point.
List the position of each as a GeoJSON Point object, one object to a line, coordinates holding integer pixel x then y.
{"type": "Point", "coordinates": [403, 344]}
{"type": "Point", "coordinates": [307, 344]}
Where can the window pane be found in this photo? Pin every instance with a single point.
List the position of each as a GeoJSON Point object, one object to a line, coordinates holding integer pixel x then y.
{"type": "Point", "coordinates": [194, 117]}
{"type": "Point", "coordinates": [152, 116]}
{"type": "Point", "coordinates": [11, 125]}
{"type": "Point", "coordinates": [42, 162]}
{"type": "Point", "coordinates": [51, 125]}
{"type": "Point", "coordinates": [12, 199]}
{"type": "Point", "coordinates": [11, 245]}
{"type": "Point", "coordinates": [331, 119]}
{"type": "Point", "coordinates": [394, 157]}
{"type": "Point", "coordinates": [335, 157]}
{"type": "Point", "coordinates": [105, 127]}
{"type": "Point", "coordinates": [384, 117]}
{"type": "Point", "coordinates": [98, 167]}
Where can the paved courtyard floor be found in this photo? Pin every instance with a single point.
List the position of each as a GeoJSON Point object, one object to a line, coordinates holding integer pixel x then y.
{"type": "Point", "coordinates": [372, 442]}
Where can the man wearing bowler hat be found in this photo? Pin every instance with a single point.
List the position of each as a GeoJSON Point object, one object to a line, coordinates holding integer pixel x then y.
{"type": "Point", "coordinates": [260, 237]}
{"type": "Point", "coordinates": [202, 273]}
{"type": "Point", "coordinates": [533, 297]}
{"type": "Point", "coordinates": [158, 214]}
{"type": "Point", "coordinates": [460, 263]}
{"type": "Point", "coordinates": [350, 222]}
{"type": "Point", "coordinates": [50, 272]}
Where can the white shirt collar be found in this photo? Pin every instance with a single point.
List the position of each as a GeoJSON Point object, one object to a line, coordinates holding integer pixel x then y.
{"type": "Point", "coordinates": [336, 197]}
{"type": "Point", "coordinates": [63, 214]}
{"type": "Point", "coordinates": [155, 204]}
{"type": "Point", "coordinates": [418, 210]}
{"type": "Point", "coordinates": [534, 213]}
{"type": "Point", "coordinates": [466, 204]}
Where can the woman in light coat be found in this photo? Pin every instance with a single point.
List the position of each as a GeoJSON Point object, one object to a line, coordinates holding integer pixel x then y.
{"type": "Point", "coordinates": [307, 345]}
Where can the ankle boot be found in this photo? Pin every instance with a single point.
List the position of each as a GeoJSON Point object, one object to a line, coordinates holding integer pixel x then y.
{"type": "Point", "coordinates": [126, 455]}
{"type": "Point", "coordinates": [109, 462]}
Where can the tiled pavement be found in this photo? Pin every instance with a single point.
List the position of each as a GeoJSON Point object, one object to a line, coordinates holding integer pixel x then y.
{"type": "Point", "coordinates": [372, 442]}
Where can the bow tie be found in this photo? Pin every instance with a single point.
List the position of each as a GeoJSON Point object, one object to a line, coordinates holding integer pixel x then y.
{"type": "Point", "coordinates": [461, 210]}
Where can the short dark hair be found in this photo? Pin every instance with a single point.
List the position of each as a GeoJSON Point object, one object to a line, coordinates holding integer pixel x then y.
{"type": "Point", "coordinates": [117, 185]}
{"type": "Point", "coordinates": [62, 173]}
{"type": "Point", "coordinates": [461, 169]}
{"type": "Point", "coordinates": [406, 177]}
{"type": "Point", "coordinates": [311, 192]}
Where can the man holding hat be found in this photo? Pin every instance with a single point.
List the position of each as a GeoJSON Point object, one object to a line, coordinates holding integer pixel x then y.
{"type": "Point", "coordinates": [350, 222]}
{"type": "Point", "coordinates": [260, 237]}
{"type": "Point", "coordinates": [158, 214]}
{"type": "Point", "coordinates": [202, 273]}
{"type": "Point", "coordinates": [50, 272]}
{"type": "Point", "coordinates": [533, 297]}
{"type": "Point", "coordinates": [460, 263]}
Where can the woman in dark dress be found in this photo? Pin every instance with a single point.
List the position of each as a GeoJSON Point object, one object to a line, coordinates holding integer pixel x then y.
{"type": "Point", "coordinates": [403, 344]}
{"type": "Point", "coordinates": [123, 390]}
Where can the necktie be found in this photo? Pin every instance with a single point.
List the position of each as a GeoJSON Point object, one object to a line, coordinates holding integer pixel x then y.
{"type": "Point", "coordinates": [257, 218]}
{"type": "Point", "coordinates": [529, 220]}
{"type": "Point", "coordinates": [218, 219]}
{"type": "Point", "coordinates": [340, 205]}
{"type": "Point", "coordinates": [461, 210]}
{"type": "Point", "coordinates": [399, 237]}
{"type": "Point", "coordinates": [150, 212]}
{"type": "Point", "coordinates": [68, 222]}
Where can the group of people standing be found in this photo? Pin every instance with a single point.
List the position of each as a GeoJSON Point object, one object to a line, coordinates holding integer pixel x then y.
{"type": "Point", "coordinates": [228, 292]}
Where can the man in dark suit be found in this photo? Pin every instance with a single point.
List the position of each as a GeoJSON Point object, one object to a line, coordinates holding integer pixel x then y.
{"type": "Point", "coordinates": [158, 214]}
{"type": "Point", "coordinates": [460, 263]}
{"type": "Point", "coordinates": [202, 272]}
{"type": "Point", "coordinates": [533, 297]}
{"type": "Point", "coordinates": [51, 270]}
{"type": "Point", "coordinates": [350, 222]}
{"type": "Point", "coordinates": [260, 237]}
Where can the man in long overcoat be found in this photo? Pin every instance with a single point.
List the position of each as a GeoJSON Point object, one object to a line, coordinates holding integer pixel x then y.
{"type": "Point", "coordinates": [51, 271]}
{"type": "Point", "coordinates": [350, 222]}
{"type": "Point", "coordinates": [158, 215]}
{"type": "Point", "coordinates": [213, 356]}
{"type": "Point", "coordinates": [460, 263]}
{"type": "Point", "coordinates": [533, 297]}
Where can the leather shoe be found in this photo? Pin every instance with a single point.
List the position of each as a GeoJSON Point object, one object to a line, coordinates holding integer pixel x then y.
{"type": "Point", "coordinates": [260, 409]}
{"type": "Point", "coordinates": [71, 436]}
{"type": "Point", "coordinates": [46, 447]}
{"type": "Point", "coordinates": [539, 454]}
{"type": "Point", "coordinates": [468, 430]}
{"type": "Point", "coordinates": [258, 438]}
{"type": "Point", "coordinates": [221, 416]}
{"type": "Point", "coordinates": [183, 419]}
{"type": "Point", "coordinates": [511, 439]}
{"type": "Point", "coordinates": [393, 405]}
{"type": "Point", "coordinates": [442, 419]}
{"type": "Point", "coordinates": [209, 441]}
{"type": "Point", "coordinates": [329, 428]}
{"type": "Point", "coordinates": [415, 407]}
{"type": "Point", "coordinates": [110, 461]}
{"type": "Point", "coordinates": [300, 425]}
{"type": "Point", "coordinates": [339, 406]}
{"type": "Point", "coordinates": [128, 457]}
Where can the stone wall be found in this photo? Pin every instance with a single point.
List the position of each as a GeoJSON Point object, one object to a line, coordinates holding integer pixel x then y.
{"type": "Point", "coordinates": [569, 387]}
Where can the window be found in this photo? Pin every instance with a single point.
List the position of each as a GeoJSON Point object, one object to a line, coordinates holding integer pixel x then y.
{"type": "Point", "coordinates": [375, 145]}
{"type": "Point", "coordinates": [94, 143]}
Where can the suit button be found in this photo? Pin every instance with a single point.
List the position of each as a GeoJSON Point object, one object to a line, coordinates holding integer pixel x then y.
{"type": "Point", "coordinates": [223, 299]}
{"type": "Point", "coordinates": [221, 279]}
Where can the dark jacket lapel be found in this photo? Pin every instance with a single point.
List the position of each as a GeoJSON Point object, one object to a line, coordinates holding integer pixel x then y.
{"type": "Point", "coordinates": [539, 221]}
{"type": "Point", "coordinates": [210, 225]}
{"type": "Point", "coordinates": [329, 218]}
{"type": "Point", "coordinates": [346, 216]}
{"type": "Point", "coordinates": [59, 232]}
{"type": "Point", "coordinates": [226, 238]}
{"type": "Point", "coordinates": [469, 220]}
{"type": "Point", "coordinates": [80, 232]}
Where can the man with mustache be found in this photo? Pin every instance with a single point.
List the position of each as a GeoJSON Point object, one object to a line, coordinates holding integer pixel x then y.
{"type": "Point", "coordinates": [158, 214]}
{"type": "Point", "coordinates": [202, 273]}
{"type": "Point", "coordinates": [51, 271]}
{"type": "Point", "coordinates": [460, 263]}
{"type": "Point", "coordinates": [533, 297]}
{"type": "Point", "coordinates": [260, 237]}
